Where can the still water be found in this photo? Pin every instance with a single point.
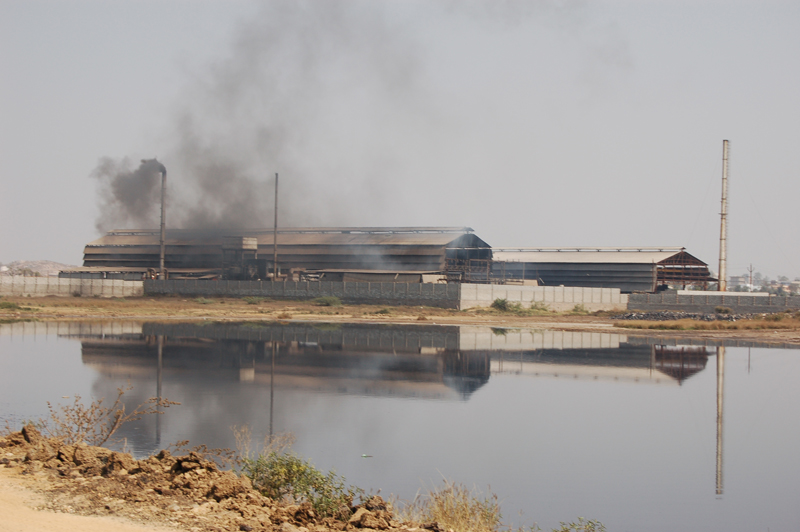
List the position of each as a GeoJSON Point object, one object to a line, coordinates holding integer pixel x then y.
{"type": "Point", "coordinates": [643, 434]}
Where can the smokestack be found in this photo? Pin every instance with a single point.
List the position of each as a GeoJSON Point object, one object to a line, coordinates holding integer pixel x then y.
{"type": "Point", "coordinates": [275, 235]}
{"type": "Point", "coordinates": [723, 229]}
{"type": "Point", "coordinates": [163, 170]}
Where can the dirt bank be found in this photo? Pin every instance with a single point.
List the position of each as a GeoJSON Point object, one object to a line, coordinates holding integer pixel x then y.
{"type": "Point", "coordinates": [176, 308]}
{"type": "Point", "coordinates": [45, 485]}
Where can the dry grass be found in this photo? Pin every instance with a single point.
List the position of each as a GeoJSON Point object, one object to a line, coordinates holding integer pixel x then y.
{"type": "Point", "coordinates": [696, 325]}
{"type": "Point", "coordinates": [455, 507]}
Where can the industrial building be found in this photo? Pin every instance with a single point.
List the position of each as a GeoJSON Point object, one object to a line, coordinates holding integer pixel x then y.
{"type": "Point", "coordinates": [383, 254]}
{"type": "Point", "coordinates": [630, 269]}
{"type": "Point", "coordinates": [401, 254]}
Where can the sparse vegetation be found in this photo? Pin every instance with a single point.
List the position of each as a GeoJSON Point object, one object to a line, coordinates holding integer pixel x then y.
{"type": "Point", "coordinates": [327, 301]}
{"type": "Point", "coordinates": [383, 311]}
{"type": "Point", "coordinates": [255, 300]}
{"type": "Point", "coordinates": [516, 308]}
{"type": "Point", "coordinates": [9, 305]}
{"type": "Point", "coordinates": [94, 423]}
{"type": "Point", "coordinates": [579, 309]}
{"type": "Point", "coordinates": [582, 525]}
{"type": "Point", "coordinates": [454, 507]}
{"type": "Point", "coordinates": [723, 310]}
{"type": "Point", "coordinates": [203, 301]}
{"type": "Point", "coordinates": [503, 305]}
{"type": "Point", "coordinates": [540, 306]}
{"type": "Point", "coordinates": [283, 476]}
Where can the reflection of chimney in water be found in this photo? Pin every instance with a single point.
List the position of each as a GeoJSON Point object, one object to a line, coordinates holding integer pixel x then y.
{"type": "Point", "coordinates": [720, 402]}
{"type": "Point", "coordinates": [158, 386]}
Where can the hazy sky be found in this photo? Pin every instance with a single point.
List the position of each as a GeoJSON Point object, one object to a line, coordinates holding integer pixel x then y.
{"type": "Point", "coordinates": [536, 123]}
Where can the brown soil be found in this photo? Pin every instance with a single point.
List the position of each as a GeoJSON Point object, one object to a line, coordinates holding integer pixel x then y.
{"type": "Point", "coordinates": [178, 492]}
{"type": "Point", "coordinates": [234, 309]}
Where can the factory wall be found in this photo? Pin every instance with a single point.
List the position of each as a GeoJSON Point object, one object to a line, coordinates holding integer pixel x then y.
{"type": "Point", "coordinates": [54, 286]}
{"type": "Point", "coordinates": [696, 301]}
{"type": "Point", "coordinates": [460, 296]}
{"type": "Point", "coordinates": [427, 294]}
{"type": "Point", "coordinates": [557, 298]}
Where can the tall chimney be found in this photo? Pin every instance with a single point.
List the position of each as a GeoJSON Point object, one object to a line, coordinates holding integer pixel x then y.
{"type": "Point", "coordinates": [275, 235]}
{"type": "Point", "coordinates": [723, 228]}
{"type": "Point", "coordinates": [163, 222]}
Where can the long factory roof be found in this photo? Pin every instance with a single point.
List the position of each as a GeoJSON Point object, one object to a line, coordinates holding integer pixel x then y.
{"type": "Point", "coordinates": [587, 255]}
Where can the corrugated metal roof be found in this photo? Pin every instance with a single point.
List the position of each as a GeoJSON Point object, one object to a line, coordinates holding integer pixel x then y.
{"type": "Point", "coordinates": [340, 237]}
{"type": "Point", "coordinates": [596, 255]}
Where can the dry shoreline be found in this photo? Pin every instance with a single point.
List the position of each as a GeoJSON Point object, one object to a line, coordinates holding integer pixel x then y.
{"type": "Point", "coordinates": [234, 309]}
{"type": "Point", "coordinates": [161, 492]}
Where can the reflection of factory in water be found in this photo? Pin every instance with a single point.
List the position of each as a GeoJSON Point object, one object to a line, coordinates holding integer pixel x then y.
{"type": "Point", "coordinates": [426, 362]}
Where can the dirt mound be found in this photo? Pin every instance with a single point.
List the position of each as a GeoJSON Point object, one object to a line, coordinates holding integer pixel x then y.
{"type": "Point", "coordinates": [43, 268]}
{"type": "Point", "coordinates": [188, 492]}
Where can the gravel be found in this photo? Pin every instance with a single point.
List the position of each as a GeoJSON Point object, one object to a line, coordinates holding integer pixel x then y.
{"type": "Point", "coordinates": [666, 315]}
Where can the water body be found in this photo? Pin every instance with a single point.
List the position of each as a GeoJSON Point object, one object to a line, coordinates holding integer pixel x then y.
{"type": "Point", "coordinates": [644, 434]}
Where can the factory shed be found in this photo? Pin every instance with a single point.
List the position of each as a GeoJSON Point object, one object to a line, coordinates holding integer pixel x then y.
{"type": "Point", "coordinates": [629, 269]}
{"type": "Point", "coordinates": [359, 250]}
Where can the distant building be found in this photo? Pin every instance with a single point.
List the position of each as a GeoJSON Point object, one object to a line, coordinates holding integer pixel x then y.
{"type": "Point", "coordinates": [629, 269]}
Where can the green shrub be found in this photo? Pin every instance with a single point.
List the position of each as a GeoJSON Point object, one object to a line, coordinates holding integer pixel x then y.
{"type": "Point", "coordinates": [579, 309]}
{"type": "Point", "coordinates": [254, 300]}
{"type": "Point", "coordinates": [500, 304]}
{"type": "Point", "coordinates": [203, 301]}
{"type": "Point", "coordinates": [327, 301]}
{"type": "Point", "coordinates": [504, 305]}
{"type": "Point", "coordinates": [383, 311]}
{"type": "Point", "coordinates": [722, 310]}
{"type": "Point", "coordinates": [286, 476]}
{"type": "Point", "coordinates": [540, 306]}
{"type": "Point", "coordinates": [9, 305]}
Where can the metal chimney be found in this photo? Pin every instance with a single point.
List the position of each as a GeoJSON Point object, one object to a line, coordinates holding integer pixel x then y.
{"type": "Point", "coordinates": [723, 229]}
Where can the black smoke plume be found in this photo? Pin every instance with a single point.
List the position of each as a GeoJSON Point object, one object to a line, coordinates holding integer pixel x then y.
{"type": "Point", "coordinates": [339, 97]}
{"type": "Point", "coordinates": [129, 198]}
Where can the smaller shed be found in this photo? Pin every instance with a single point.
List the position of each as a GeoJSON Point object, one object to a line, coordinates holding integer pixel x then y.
{"type": "Point", "coordinates": [641, 269]}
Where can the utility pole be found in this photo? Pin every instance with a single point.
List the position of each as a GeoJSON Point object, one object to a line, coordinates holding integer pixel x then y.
{"type": "Point", "coordinates": [750, 269]}
{"type": "Point", "coordinates": [723, 228]}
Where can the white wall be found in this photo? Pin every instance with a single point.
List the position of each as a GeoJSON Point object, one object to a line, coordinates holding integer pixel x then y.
{"type": "Point", "coordinates": [54, 286]}
{"type": "Point", "coordinates": [557, 298]}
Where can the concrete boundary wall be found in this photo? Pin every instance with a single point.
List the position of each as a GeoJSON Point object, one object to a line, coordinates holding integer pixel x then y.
{"type": "Point", "coordinates": [427, 294]}
{"type": "Point", "coordinates": [556, 298]}
{"type": "Point", "coordinates": [54, 286]}
{"type": "Point", "coordinates": [738, 302]}
{"type": "Point", "coordinates": [71, 328]}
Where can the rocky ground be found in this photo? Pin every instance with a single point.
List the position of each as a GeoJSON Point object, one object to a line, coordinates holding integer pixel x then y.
{"type": "Point", "coordinates": [670, 315]}
{"type": "Point", "coordinates": [189, 492]}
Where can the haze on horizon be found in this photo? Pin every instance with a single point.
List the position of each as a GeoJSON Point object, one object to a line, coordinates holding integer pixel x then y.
{"type": "Point", "coordinates": [547, 123]}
